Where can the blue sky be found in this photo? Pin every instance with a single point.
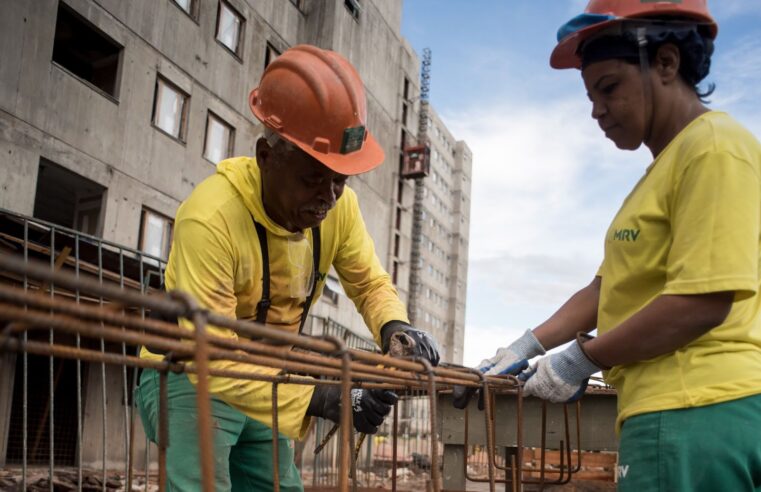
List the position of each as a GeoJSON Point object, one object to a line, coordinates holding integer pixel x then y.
{"type": "Point", "coordinates": [546, 182]}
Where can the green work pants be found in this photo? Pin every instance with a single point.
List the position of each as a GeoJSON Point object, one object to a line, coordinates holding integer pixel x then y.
{"type": "Point", "coordinates": [715, 448]}
{"type": "Point", "coordinates": [242, 447]}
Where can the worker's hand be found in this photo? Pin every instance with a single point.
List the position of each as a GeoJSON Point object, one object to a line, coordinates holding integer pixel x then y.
{"type": "Point", "coordinates": [509, 360]}
{"type": "Point", "coordinates": [420, 344]}
{"type": "Point", "coordinates": [369, 406]}
{"type": "Point", "coordinates": [561, 377]}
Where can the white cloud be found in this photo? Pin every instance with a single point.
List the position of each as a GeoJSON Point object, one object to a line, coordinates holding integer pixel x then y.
{"type": "Point", "coordinates": [723, 9]}
{"type": "Point", "coordinates": [539, 178]}
{"type": "Point", "coordinates": [736, 72]}
{"type": "Point", "coordinates": [546, 184]}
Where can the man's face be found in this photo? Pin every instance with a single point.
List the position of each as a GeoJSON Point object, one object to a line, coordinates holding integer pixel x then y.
{"type": "Point", "coordinates": [616, 91]}
{"type": "Point", "coordinates": [297, 190]}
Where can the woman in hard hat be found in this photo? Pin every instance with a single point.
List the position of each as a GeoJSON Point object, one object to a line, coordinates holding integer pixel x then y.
{"type": "Point", "coordinates": [676, 299]}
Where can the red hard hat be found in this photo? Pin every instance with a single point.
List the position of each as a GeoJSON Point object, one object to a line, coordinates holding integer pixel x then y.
{"type": "Point", "coordinates": [315, 99]}
{"type": "Point", "coordinates": [601, 14]}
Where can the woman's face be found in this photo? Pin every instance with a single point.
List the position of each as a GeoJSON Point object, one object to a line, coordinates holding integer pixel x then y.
{"type": "Point", "coordinates": [618, 103]}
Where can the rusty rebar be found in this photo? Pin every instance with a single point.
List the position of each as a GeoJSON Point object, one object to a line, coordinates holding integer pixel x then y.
{"type": "Point", "coordinates": [322, 357]}
{"type": "Point", "coordinates": [170, 307]}
{"type": "Point", "coordinates": [173, 334]}
{"type": "Point", "coordinates": [37, 319]}
{"type": "Point", "coordinates": [198, 317]}
{"type": "Point", "coordinates": [163, 430]}
{"type": "Point", "coordinates": [275, 441]}
{"type": "Point", "coordinates": [393, 446]}
{"type": "Point", "coordinates": [435, 472]}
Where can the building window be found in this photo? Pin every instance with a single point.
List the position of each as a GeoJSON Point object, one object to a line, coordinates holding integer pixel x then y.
{"type": "Point", "coordinates": [229, 28]}
{"type": "Point", "coordinates": [190, 7]}
{"type": "Point", "coordinates": [270, 54]}
{"type": "Point", "coordinates": [353, 7]}
{"type": "Point", "coordinates": [170, 109]}
{"type": "Point", "coordinates": [155, 234]}
{"type": "Point", "coordinates": [86, 52]}
{"type": "Point", "coordinates": [333, 289]}
{"type": "Point", "coordinates": [65, 198]}
{"type": "Point", "coordinates": [219, 139]}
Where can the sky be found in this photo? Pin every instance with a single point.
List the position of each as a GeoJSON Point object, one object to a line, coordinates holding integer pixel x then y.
{"type": "Point", "coordinates": [546, 182]}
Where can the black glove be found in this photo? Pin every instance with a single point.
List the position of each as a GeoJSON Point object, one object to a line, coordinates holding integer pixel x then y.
{"type": "Point", "coordinates": [424, 345]}
{"type": "Point", "coordinates": [369, 406]}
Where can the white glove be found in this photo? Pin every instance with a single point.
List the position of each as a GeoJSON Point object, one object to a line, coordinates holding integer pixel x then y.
{"type": "Point", "coordinates": [509, 360]}
{"type": "Point", "coordinates": [561, 377]}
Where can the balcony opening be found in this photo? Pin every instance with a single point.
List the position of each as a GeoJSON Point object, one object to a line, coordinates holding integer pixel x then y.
{"type": "Point", "coordinates": [65, 198]}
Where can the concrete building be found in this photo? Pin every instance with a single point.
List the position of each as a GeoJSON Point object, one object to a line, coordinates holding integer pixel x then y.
{"type": "Point", "coordinates": [111, 112]}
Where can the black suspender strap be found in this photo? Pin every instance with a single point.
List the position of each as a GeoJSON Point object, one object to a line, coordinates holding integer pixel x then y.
{"type": "Point", "coordinates": [264, 304]}
{"type": "Point", "coordinates": [315, 275]}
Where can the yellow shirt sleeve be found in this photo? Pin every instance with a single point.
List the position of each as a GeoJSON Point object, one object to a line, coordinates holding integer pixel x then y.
{"type": "Point", "coordinates": [716, 212]}
{"type": "Point", "coordinates": [362, 276]}
{"type": "Point", "coordinates": [202, 264]}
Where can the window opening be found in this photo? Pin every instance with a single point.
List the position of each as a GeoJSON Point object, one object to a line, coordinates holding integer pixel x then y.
{"type": "Point", "coordinates": [190, 7]}
{"type": "Point", "coordinates": [353, 7]}
{"type": "Point", "coordinates": [219, 139]}
{"type": "Point", "coordinates": [270, 54]}
{"type": "Point", "coordinates": [65, 198]}
{"type": "Point", "coordinates": [229, 28]}
{"type": "Point", "coordinates": [155, 234]}
{"type": "Point", "coordinates": [170, 109]}
{"type": "Point", "coordinates": [86, 51]}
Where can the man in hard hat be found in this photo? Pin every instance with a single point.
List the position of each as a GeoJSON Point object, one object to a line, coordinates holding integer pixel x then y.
{"type": "Point", "coordinates": [255, 241]}
{"type": "Point", "coordinates": [676, 301]}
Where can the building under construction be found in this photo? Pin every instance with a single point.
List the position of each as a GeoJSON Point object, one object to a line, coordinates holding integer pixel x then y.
{"type": "Point", "coordinates": [110, 113]}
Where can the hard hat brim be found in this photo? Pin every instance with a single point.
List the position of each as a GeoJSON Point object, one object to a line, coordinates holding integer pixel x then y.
{"type": "Point", "coordinates": [367, 158]}
{"type": "Point", "coordinates": [566, 53]}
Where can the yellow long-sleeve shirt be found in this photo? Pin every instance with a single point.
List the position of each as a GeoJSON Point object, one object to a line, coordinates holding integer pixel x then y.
{"type": "Point", "coordinates": [216, 258]}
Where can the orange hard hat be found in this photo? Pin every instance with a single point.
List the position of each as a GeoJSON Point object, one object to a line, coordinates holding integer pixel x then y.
{"type": "Point", "coordinates": [315, 99]}
{"type": "Point", "coordinates": [602, 14]}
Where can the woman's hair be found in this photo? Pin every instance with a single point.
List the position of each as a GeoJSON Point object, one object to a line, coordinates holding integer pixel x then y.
{"type": "Point", "coordinates": [695, 52]}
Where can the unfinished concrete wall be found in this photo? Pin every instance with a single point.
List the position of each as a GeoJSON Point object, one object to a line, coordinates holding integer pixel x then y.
{"type": "Point", "coordinates": [48, 112]}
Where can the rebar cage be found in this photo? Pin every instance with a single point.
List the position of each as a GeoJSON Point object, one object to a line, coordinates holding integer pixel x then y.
{"type": "Point", "coordinates": [73, 316]}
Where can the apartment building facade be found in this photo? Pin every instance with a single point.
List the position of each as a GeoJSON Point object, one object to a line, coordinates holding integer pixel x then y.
{"type": "Point", "coordinates": [111, 112]}
{"type": "Point", "coordinates": [444, 239]}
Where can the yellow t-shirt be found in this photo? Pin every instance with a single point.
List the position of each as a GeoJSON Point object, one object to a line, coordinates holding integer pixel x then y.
{"type": "Point", "coordinates": [216, 258]}
{"type": "Point", "coordinates": [692, 225]}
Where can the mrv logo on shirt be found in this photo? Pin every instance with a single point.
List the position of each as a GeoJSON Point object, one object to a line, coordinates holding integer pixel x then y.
{"type": "Point", "coordinates": [626, 235]}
